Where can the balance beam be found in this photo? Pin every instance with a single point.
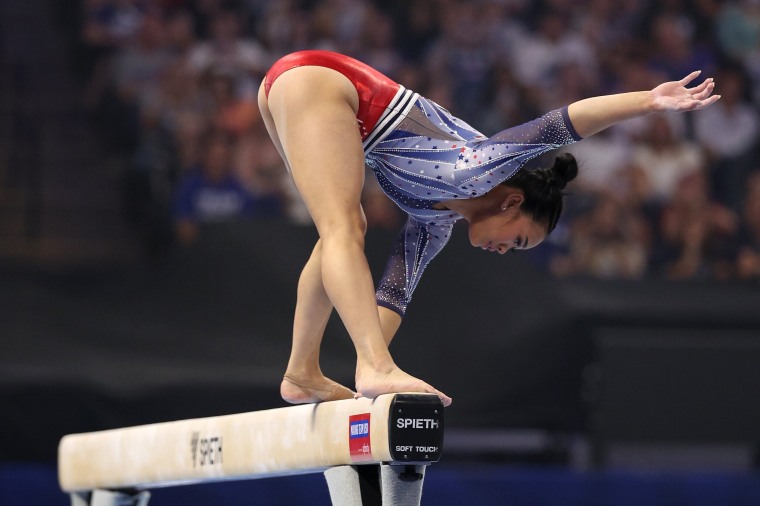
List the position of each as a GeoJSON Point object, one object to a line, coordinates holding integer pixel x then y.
{"type": "Point", "coordinates": [402, 429]}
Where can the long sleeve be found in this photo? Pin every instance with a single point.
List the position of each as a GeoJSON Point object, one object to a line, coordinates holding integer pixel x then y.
{"type": "Point", "coordinates": [553, 128]}
{"type": "Point", "coordinates": [415, 247]}
{"type": "Point", "coordinates": [501, 155]}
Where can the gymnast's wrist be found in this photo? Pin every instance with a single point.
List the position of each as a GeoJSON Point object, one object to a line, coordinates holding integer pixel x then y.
{"type": "Point", "coordinates": [649, 103]}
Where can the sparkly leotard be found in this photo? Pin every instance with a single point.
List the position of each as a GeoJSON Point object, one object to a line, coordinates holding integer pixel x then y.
{"type": "Point", "coordinates": [422, 155]}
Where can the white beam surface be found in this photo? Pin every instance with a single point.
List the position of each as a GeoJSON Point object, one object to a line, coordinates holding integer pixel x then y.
{"type": "Point", "coordinates": [290, 440]}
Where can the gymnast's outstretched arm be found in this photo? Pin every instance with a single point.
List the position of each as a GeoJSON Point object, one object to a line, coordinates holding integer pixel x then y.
{"type": "Point", "coordinates": [592, 115]}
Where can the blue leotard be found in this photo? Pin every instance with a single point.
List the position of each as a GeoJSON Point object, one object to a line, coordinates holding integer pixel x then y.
{"type": "Point", "coordinates": [431, 156]}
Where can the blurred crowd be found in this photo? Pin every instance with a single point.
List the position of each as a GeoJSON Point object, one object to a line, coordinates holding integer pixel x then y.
{"type": "Point", "coordinates": [172, 86]}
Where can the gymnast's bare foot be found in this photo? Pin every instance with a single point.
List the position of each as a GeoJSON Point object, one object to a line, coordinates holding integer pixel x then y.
{"type": "Point", "coordinates": [309, 389]}
{"type": "Point", "coordinates": [371, 383]}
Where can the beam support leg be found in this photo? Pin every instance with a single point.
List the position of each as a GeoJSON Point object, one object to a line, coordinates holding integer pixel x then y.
{"type": "Point", "coordinates": [110, 498]}
{"type": "Point", "coordinates": [402, 484]}
{"type": "Point", "coordinates": [375, 485]}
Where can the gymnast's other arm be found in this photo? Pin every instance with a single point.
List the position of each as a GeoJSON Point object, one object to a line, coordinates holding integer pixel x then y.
{"type": "Point", "coordinates": [408, 259]}
{"type": "Point", "coordinates": [592, 115]}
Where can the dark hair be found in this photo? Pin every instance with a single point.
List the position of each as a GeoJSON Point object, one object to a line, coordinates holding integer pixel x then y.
{"type": "Point", "coordinates": [543, 189]}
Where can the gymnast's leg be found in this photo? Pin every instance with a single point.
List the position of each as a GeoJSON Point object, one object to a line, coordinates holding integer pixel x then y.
{"type": "Point", "coordinates": [304, 381]}
{"type": "Point", "coordinates": [314, 113]}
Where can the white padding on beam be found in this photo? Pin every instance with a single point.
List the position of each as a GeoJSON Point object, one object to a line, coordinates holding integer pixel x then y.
{"type": "Point", "coordinates": [291, 440]}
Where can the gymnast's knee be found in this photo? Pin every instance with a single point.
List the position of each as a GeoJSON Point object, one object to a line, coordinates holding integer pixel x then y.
{"type": "Point", "coordinates": [350, 228]}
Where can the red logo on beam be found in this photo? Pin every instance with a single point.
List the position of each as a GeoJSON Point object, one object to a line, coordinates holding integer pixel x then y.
{"type": "Point", "coordinates": [359, 443]}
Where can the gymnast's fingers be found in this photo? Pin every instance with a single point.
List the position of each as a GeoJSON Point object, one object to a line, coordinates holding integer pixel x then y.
{"type": "Point", "coordinates": [707, 83]}
{"type": "Point", "coordinates": [705, 94]}
{"type": "Point", "coordinates": [708, 102]}
{"type": "Point", "coordinates": [686, 80]}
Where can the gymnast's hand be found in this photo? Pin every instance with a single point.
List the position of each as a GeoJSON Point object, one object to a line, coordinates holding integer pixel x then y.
{"type": "Point", "coordinates": [674, 96]}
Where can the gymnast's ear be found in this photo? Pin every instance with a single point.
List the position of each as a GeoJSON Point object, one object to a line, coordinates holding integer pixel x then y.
{"type": "Point", "coordinates": [513, 200]}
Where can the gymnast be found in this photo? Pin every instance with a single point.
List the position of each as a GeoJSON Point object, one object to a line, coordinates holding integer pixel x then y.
{"type": "Point", "coordinates": [329, 114]}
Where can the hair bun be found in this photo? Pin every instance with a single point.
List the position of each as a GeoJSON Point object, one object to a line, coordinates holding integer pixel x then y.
{"type": "Point", "coordinates": [564, 170]}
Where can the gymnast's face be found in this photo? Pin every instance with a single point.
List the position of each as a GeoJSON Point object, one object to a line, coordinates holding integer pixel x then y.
{"type": "Point", "coordinates": [505, 228]}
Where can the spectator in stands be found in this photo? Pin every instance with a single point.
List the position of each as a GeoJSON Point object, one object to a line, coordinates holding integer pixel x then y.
{"type": "Point", "coordinates": [610, 24]}
{"type": "Point", "coordinates": [139, 66]}
{"type": "Point", "coordinates": [662, 159]}
{"type": "Point", "coordinates": [608, 241]}
{"type": "Point", "coordinates": [696, 233]}
{"type": "Point", "coordinates": [539, 54]}
{"type": "Point", "coordinates": [737, 27]}
{"type": "Point", "coordinates": [259, 168]}
{"type": "Point", "coordinates": [677, 50]}
{"type": "Point", "coordinates": [231, 111]}
{"type": "Point", "coordinates": [377, 43]}
{"type": "Point", "coordinates": [576, 81]}
{"type": "Point", "coordinates": [203, 12]}
{"type": "Point", "coordinates": [284, 27]}
{"type": "Point", "coordinates": [180, 33]}
{"type": "Point", "coordinates": [605, 166]}
{"type": "Point", "coordinates": [112, 23]}
{"type": "Point", "coordinates": [417, 28]}
{"type": "Point", "coordinates": [511, 103]}
{"type": "Point", "coordinates": [729, 134]}
{"type": "Point", "coordinates": [342, 23]}
{"type": "Point", "coordinates": [226, 51]}
{"type": "Point", "coordinates": [149, 183]}
{"type": "Point", "coordinates": [212, 193]}
{"type": "Point", "coordinates": [136, 77]}
{"type": "Point", "coordinates": [748, 258]}
{"type": "Point", "coordinates": [181, 110]}
{"type": "Point", "coordinates": [108, 26]}
{"type": "Point", "coordinates": [463, 58]}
